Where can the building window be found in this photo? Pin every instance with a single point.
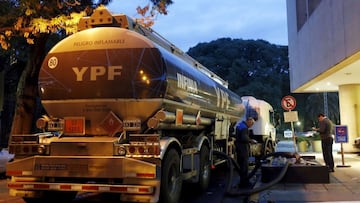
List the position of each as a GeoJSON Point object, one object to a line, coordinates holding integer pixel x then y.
{"type": "Point", "coordinates": [304, 9]}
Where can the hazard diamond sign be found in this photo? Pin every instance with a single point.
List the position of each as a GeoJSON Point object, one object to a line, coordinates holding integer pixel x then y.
{"type": "Point", "coordinates": [288, 103]}
{"type": "Point", "coordinates": [112, 124]}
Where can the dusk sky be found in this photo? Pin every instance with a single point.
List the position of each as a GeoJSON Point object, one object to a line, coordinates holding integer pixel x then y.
{"type": "Point", "coordinates": [190, 22]}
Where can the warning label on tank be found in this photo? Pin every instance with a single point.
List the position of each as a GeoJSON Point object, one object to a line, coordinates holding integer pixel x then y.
{"type": "Point", "coordinates": [112, 124]}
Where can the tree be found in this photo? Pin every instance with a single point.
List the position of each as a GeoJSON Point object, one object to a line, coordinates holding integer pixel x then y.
{"type": "Point", "coordinates": [315, 105]}
{"type": "Point", "coordinates": [252, 67]}
{"type": "Point", "coordinates": [30, 24]}
{"type": "Point", "coordinates": [261, 69]}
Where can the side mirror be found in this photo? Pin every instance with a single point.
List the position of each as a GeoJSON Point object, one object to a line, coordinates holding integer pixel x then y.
{"type": "Point", "coordinates": [277, 120]}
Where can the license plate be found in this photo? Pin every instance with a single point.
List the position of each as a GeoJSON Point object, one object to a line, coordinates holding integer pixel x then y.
{"type": "Point", "coordinates": [132, 124]}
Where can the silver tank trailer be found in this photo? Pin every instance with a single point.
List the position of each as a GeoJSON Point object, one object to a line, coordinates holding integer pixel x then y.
{"type": "Point", "coordinates": [109, 69]}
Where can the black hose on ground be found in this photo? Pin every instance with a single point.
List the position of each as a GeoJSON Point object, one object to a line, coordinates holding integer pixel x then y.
{"type": "Point", "coordinates": [248, 192]}
{"type": "Point", "coordinates": [232, 163]}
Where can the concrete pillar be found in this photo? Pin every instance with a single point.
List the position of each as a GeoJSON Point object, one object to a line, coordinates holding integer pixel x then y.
{"type": "Point", "coordinates": [349, 101]}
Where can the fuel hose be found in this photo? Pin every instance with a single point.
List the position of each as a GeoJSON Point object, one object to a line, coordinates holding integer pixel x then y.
{"type": "Point", "coordinates": [246, 192]}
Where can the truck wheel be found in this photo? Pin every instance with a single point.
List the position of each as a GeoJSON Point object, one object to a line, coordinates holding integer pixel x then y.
{"type": "Point", "coordinates": [171, 181]}
{"type": "Point", "coordinates": [204, 173]}
{"type": "Point", "coordinates": [269, 148]}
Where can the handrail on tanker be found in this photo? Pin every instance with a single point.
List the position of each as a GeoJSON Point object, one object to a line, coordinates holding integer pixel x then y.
{"type": "Point", "coordinates": [101, 16]}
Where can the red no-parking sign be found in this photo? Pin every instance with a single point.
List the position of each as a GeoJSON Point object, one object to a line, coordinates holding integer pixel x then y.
{"type": "Point", "coordinates": [288, 103]}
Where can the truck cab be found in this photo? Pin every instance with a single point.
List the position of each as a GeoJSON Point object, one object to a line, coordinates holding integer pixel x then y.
{"type": "Point", "coordinates": [264, 128]}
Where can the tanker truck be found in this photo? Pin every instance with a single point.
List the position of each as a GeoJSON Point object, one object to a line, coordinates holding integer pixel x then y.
{"type": "Point", "coordinates": [264, 128]}
{"type": "Point", "coordinates": [127, 113]}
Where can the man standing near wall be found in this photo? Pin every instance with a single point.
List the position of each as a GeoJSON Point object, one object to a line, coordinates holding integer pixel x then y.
{"type": "Point", "coordinates": [325, 129]}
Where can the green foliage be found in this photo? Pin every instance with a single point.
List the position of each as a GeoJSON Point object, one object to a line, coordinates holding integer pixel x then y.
{"type": "Point", "coordinates": [252, 67]}
{"type": "Point", "coordinates": [261, 69]}
{"type": "Point", "coordinates": [316, 136]}
{"type": "Point", "coordinates": [300, 139]}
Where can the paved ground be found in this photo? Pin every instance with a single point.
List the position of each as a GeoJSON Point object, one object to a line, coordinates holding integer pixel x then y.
{"type": "Point", "coordinates": [344, 184]}
{"type": "Point", "coordinates": [344, 187]}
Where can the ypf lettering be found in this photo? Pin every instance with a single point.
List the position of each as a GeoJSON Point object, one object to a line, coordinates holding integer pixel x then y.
{"type": "Point", "coordinates": [96, 72]}
{"type": "Point", "coordinates": [223, 100]}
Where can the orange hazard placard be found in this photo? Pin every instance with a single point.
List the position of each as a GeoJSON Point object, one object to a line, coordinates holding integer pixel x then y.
{"type": "Point", "coordinates": [179, 117]}
{"type": "Point", "coordinates": [74, 125]}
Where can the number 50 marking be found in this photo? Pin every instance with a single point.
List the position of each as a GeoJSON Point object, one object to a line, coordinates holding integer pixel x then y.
{"type": "Point", "coordinates": [52, 62]}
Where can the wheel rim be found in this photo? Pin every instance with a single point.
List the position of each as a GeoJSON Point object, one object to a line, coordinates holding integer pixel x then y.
{"type": "Point", "coordinates": [174, 179]}
{"type": "Point", "coordinates": [206, 172]}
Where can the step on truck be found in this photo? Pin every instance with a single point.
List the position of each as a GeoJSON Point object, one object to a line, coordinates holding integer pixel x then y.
{"type": "Point", "coordinates": [128, 113]}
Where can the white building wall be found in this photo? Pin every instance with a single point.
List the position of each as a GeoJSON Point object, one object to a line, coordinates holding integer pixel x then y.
{"type": "Point", "coordinates": [328, 40]}
{"type": "Point", "coordinates": [330, 35]}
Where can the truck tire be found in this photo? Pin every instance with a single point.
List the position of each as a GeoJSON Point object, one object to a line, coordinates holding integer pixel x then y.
{"type": "Point", "coordinates": [268, 148]}
{"type": "Point", "coordinates": [171, 181]}
{"type": "Point", "coordinates": [204, 171]}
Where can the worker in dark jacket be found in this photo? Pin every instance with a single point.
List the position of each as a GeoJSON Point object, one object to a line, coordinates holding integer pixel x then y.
{"type": "Point", "coordinates": [243, 149]}
{"type": "Point", "coordinates": [325, 130]}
